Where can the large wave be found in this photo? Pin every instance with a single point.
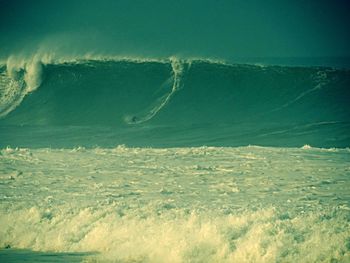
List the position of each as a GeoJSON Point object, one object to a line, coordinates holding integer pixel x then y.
{"type": "Point", "coordinates": [209, 102]}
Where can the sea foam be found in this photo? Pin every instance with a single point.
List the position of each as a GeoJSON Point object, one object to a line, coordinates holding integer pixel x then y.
{"type": "Point", "coordinates": [209, 204]}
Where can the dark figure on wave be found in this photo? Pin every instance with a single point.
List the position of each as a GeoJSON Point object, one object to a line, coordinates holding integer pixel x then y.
{"type": "Point", "coordinates": [134, 119]}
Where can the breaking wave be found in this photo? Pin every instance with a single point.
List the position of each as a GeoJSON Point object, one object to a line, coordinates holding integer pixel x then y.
{"type": "Point", "coordinates": [217, 98]}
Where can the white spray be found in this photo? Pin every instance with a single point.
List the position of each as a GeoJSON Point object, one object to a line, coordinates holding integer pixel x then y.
{"type": "Point", "coordinates": [21, 78]}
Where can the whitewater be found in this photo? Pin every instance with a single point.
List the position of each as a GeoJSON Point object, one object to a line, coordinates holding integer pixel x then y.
{"type": "Point", "coordinates": [207, 204]}
{"type": "Point", "coordinates": [173, 160]}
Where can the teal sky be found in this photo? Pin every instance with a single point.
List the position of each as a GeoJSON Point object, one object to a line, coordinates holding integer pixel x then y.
{"type": "Point", "coordinates": [220, 28]}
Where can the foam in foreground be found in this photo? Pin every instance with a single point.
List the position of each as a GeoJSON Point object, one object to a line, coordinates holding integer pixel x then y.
{"type": "Point", "coordinates": [207, 204]}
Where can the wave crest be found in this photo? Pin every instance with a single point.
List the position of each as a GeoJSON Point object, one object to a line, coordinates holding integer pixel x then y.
{"type": "Point", "coordinates": [20, 78]}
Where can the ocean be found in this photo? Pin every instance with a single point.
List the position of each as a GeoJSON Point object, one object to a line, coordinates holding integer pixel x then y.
{"type": "Point", "coordinates": [173, 160]}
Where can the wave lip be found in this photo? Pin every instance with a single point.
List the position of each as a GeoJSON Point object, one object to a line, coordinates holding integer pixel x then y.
{"type": "Point", "coordinates": [18, 80]}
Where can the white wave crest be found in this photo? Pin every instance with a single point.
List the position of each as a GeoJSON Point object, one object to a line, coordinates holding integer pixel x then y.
{"type": "Point", "coordinates": [11, 94]}
{"type": "Point", "coordinates": [31, 68]}
{"type": "Point", "coordinates": [22, 77]}
{"type": "Point", "coordinates": [33, 76]}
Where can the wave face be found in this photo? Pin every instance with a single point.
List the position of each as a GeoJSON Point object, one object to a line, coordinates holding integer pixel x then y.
{"type": "Point", "coordinates": [173, 103]}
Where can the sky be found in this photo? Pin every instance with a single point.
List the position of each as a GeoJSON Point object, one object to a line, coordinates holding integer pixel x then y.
{"type": "Point", "coordinates": [188, 28]}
